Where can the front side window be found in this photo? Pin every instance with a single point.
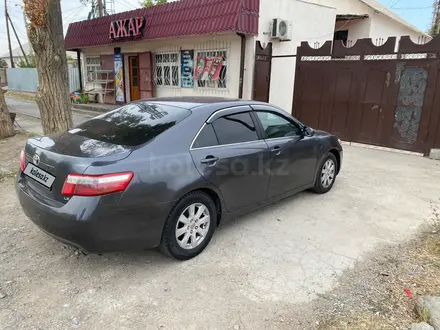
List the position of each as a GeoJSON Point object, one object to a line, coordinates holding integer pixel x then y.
{"type": "Point", "coordinates": [133, 124]}
{"type": "Point", "coordinates": [166, 72]}
{"type": "Point", "coordinates": [276, 126]}
{"type": "Point", "coordinates": [235, 128]}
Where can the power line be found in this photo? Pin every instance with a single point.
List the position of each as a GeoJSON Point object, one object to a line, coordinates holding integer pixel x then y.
{"type": "Point", "coordinates": [124, 4]}
{"type": "Point", "coordinates": [73, 16]}
{"type": "Point", "coordinates": [19, 31]}
{"type": "Point", "coordinates": [395, 3]}
{"type": "Point", "coordinates": [412, 8]}
{"type": "Point", "coordinates": [8, 35]}
{"type": "Point", "coordinates": [71, 10]}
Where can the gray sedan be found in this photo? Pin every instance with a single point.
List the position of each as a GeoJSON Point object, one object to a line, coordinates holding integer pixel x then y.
{"type": "Point", "coordinates": [165, 172]}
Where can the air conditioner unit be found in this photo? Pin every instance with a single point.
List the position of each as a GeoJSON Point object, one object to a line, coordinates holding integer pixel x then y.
{"type": "Point", "coordinates": [281, 29]}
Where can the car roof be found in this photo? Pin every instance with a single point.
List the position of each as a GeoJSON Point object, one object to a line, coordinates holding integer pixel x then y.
{"type": "Point", "coordinates": [201, 103]}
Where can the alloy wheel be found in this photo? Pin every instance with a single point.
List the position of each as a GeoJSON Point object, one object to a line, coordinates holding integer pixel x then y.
{"type": "Point", "coordinates": [328, 173]}
{"type": "Point", "coordinates": [192, 226]}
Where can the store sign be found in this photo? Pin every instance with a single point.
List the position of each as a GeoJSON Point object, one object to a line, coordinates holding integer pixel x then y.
{"type": "Point", "coordinates": [127, 28]}
{"type": "Point", "coordinates": [187, 68]}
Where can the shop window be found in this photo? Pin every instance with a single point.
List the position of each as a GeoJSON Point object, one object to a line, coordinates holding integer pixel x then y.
{"type": "Point", "coordinates": [93, 64]}
{"type": "Point", "coordinates": [166, 69]}
{"type": "Point", "coordinates": [221, 82]}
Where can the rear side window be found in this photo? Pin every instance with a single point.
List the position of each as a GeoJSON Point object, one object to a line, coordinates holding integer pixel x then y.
{"type": "Point", "coordinates": [235, 128]}
{"type": "Point", "coordinates": [133, 124]}
{"type": "Point", "coordinates": [206, 137]}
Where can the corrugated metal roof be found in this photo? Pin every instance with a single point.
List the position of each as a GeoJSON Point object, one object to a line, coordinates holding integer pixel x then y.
{"type": "Point", "coordinates": [180, 18]}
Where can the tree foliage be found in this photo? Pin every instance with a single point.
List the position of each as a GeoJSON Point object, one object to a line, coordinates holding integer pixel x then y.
{"type": "Point", "coordinates": [151, 3]}
{"type": "Point", "coordinates": [3, 64]}
{"type": "Point", "coordinates": [30, 64]}
{"type": "Point", "coordinates": [36, 11]}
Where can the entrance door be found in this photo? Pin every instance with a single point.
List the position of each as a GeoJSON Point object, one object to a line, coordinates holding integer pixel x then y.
{"type": "Point", "coordinates": [228, 153]}
{"type": "Point", "coordinates": [262, 71]}
{"type": "Point", "coordinates": [293, 155]}
{"type": "Point", "coordinates": [134, 78]}
{"type": "Point", "coordinates": [373, 103]}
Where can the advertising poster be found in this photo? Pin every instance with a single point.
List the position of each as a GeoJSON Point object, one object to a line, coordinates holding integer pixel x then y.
{"type": "Point", "coordinates": [214, 73]}
{"type": "Point", "coordinates": [208, 68]}
{"type": "Point", "coordinates": [199, 68]}
{"type": "Point", "coordinates": [209, 61]}
{"type": "Point", "coordinates": [119, 79]}
{"type": "Point", "coordinates": [187, 68]}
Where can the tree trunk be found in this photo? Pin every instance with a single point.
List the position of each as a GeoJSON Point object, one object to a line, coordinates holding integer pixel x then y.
{"type": "Point", "coordinates": [46, 36]}
{"type": "Point", "coordinates": [6, 125]}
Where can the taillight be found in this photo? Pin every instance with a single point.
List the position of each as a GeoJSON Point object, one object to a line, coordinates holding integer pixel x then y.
{"type": "Point", "coordinates": [95, 185]}
{"type": "Point", "coordinates": [22, 160]}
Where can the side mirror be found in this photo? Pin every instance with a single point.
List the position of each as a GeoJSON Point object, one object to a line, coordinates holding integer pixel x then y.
{"type": "Point", "coordinates": [308, 131]}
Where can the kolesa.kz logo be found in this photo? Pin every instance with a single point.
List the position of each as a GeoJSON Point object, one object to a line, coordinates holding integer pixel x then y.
{"type": "Point", "coordinates": [39, 175]}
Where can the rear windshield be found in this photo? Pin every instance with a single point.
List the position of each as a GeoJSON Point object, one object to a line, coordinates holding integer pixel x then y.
{"type": "Point", "coordinates": [132, 124]}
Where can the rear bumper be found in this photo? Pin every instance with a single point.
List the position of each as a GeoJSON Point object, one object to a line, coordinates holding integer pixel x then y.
{"type": "Point", "coordinates": [94, 224]}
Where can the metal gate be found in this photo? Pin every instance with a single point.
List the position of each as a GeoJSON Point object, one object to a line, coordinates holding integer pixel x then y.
{"type": "Point", "coordinates": [372, 94]}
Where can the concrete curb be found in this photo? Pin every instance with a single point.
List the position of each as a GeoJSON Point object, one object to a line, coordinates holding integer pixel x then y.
{"type": "Point", "coordinates": [373, 147]}
{"type": "Point", "coordinates": [100, 108]}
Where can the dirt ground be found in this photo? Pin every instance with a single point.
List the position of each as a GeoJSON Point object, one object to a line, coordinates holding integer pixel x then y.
{"type": "Point", "coordinates": [307, 262]}
{"type": "Point", "coordinates": [10, 154]}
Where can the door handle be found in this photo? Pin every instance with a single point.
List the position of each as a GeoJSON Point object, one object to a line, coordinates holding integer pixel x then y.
{"type": "Point", "coordinates": [209, 160]}
{"type": "Point", "coordinates": [276, 150]}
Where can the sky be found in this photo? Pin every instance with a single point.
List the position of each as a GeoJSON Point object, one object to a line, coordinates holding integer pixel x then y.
{"type": "Point", "coordinates": [417, 12]}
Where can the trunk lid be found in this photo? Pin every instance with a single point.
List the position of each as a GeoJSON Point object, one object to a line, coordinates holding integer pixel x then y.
{"type": "Point", "coordinates": [67, 153]}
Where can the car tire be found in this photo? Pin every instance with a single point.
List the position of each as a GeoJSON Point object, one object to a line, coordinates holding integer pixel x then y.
{"type": "Point", "coordinates": [326, 175]}
{"type": "Point", "coordinates": [180, 223]}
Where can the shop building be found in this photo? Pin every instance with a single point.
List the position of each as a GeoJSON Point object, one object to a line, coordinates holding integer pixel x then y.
{"type": "Point", "coordinates": [228, 48]}
{"type": "Point", "coordinates": [198, 48]}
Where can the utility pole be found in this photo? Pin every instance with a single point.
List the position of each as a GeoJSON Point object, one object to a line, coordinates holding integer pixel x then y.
{"type": "Point", "coordinates": [100, 8]}
{"type": "Point", "coordinates": [11, 57]}
{"type": "Point", "coordinates": [25, 22]}
{"type": "Point", "coordinates": [19, 42]}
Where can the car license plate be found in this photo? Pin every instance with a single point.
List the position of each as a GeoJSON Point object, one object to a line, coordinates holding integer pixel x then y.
{"type": "Point", "coordinates": [39, 175]}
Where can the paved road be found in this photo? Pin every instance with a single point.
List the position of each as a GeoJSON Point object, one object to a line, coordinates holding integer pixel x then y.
{"type": "Point", "coordinates": [31, 109]}
{"type": "Point", "coordinates": [258, 272]}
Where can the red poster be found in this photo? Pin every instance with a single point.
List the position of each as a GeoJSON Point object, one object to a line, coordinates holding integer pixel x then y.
{"type": "Point", "coordinates": [209, 61]}
{"type": "Point", "coordinates": [214, 73]}
{"type": "Point", "coordinates": [208, 68]}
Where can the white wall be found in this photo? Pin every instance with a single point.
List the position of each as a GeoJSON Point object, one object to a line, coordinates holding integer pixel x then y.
{"type": "Point", "coordinates": [311, 22]}
{"type": "Point", "coordinates": [352, 7]}
{"type": "Point", "coordinates": [382, 27]}
{"type": "Point", "coordinates": [375, 26]}
{"type": "Point", "coordinates": [358, 30]}
{"type": "Point", "coordinates": [229, 42]}
{"type": "Point", "coordinates": [249, 65]}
